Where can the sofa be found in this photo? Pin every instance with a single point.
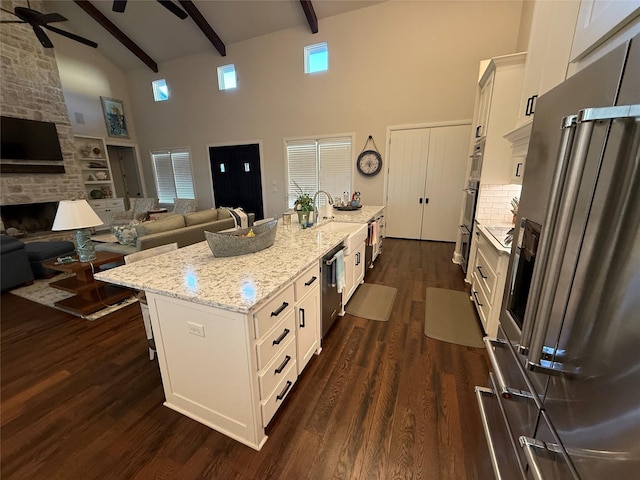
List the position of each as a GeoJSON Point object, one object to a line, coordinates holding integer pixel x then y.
{"type": "Point", "coordinates": [184, 230]}
{"type": "Point", "coordinates": [14, 263]}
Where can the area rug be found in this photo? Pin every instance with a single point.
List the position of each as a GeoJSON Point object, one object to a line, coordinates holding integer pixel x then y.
{"type": "Point", "coordinates": [449, 316]}
{"type": "Point", "coordinates": [372, 301]}
{"type": "Point", "coordinates": [41, 292]}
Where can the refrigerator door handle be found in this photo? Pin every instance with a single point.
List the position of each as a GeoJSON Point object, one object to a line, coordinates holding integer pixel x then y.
{"type": "Point", "coordinates": [547, 234]}
{"type": "Point", "coordinates": [558, 244]}
{"type": "Point", "coordinates": [531, 447]}
{"type": "Point", "coordinates": [504, 390]}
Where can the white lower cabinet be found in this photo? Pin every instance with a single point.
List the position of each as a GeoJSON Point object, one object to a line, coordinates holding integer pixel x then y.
{"type": "Point", "coordinates": [232, 371]}
{"type": "Point", "coordinates": [307, 294]}
{"type": "Point", "coordinates": [353, 271]}
{"type": "Point", "coordinates": [487, 281]}
{"type": "Point", "coordinates": [105, 209]}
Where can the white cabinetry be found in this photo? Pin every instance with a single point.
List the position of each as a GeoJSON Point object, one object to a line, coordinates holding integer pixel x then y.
{"type": "Point", "coordinates": [307, 294]}
{"type": "Point", "coordinates": [598, 20]}
{"type": "Point", "coordinates": [105, 209]}
{"type": "Point", "coordinates": [487, 281]}
{"type": "Point", "coordinates": [550, 40]}
{"type": "Point", "coordinates": [232, 371]}
{"type": "Point", "coordinates": [353, 271]}
{"type": "Point", "coordinates": [484, 103]}
{"type": "Point", "coordinates": [505, 75]}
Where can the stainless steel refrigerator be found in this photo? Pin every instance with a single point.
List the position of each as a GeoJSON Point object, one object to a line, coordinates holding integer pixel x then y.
{"type": "Point", "coordinates": [563, 399]}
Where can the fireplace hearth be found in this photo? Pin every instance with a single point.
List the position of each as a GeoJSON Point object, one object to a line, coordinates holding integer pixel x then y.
{"type": "Point", "coordinates": [29, 218]}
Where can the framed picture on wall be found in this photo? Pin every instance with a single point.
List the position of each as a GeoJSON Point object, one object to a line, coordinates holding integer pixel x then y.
{"type": "Point", "coordinates": [114, 116]}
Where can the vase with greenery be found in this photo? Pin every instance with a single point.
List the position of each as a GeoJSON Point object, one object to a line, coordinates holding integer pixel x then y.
{"type": "Point", "coordinates": [303, 203]}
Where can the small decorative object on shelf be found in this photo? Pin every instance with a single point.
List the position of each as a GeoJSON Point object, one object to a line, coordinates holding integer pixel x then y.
{"type": "Point", "coordinates": [102, 175]}
{"type": "Point", "coordinates": [106, 191]}
{"type": "Point", "coordinates": [86, 150]}
{"type": "Point", "coordinates": [97, 151]}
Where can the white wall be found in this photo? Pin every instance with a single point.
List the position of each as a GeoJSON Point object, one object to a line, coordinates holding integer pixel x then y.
{"type": "Point", "coordinates": [394, 63]}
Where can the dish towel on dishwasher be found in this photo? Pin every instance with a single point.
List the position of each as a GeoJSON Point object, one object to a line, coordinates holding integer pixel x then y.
{"type": "Point", "coordinates": [339, 268]}
{"type": "Point", "coordinates": [373, 233]}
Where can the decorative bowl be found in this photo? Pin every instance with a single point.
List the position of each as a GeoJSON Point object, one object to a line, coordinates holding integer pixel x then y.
{"type": "Point", "coordinates": [234, 243]}
{"type": "Point", "coordinates": [96, 194]}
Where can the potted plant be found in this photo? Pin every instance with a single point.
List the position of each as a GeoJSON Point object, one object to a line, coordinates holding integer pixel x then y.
{"type": "Point", "coordinates": [303, 204]}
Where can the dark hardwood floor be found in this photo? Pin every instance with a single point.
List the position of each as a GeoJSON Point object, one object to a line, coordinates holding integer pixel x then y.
{"type": "Point", "coordinates": [81, 400]}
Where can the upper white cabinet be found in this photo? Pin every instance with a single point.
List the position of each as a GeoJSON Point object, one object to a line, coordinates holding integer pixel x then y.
{"type": "Point", "coordinates": [504, 75]}
{"type": "Point", "coordinates": [598, 20]}
{"type": "Point", "coordinates": [552, 27]}
{"type": "Point", "coordinates": [484, 104]}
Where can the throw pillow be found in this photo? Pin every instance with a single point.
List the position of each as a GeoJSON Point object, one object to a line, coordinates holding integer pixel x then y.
{"type": "Point", "coordinates": [126, 234]}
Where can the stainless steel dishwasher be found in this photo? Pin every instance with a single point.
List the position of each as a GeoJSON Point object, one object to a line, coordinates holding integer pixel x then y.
{"type": "Point", "coordinates": [331, 302]}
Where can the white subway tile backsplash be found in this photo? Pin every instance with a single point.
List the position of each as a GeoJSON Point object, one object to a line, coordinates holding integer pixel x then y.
{"type": "Point", "coordinates": [494, 203]}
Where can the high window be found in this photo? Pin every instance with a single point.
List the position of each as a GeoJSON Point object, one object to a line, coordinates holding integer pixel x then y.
{"type": "Point", "coordinates": [173, 174]}
{"type": "Point", "coordinates": [160, 90]}
{"type": "Point", "coordinates": [319, 164]}
{"type": "Point", "coordinates": [316, 58]}
{"type": "Point", "coordinates": [227, 77]}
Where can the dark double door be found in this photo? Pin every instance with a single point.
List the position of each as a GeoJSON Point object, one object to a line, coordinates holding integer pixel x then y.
{"type": "Point", "coordinates": [237, 179]}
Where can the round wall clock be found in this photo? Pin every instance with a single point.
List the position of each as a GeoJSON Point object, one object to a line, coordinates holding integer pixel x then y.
{"type": "Point", "coordinates": [369, 163]}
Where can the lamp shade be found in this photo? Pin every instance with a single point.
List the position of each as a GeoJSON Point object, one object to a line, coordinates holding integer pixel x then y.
{"type": "Point", "coordinates": [75, 214]}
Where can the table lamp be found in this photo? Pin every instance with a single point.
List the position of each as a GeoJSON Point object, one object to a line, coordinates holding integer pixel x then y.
{"type": "Point", "coordinates": [78, 215]}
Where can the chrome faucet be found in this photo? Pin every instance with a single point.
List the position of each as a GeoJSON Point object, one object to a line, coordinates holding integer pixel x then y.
{"type": "Point", "coordinates": [315, 207]}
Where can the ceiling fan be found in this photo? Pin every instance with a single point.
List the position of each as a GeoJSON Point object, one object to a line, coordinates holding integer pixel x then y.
{"type": "Point", "coordinates": [38, 21]}
{"type": "Point", "coordinates": [120, 5]}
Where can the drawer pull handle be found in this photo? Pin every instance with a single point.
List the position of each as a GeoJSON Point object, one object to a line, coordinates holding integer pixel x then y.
{"type": "Point", "coordinates": [284, 364]}
{"type": "Point", "coordinates": [313, 279]}
{"type": "Point", "coordinates": [302, 323]}
{"type": "Point", "coordinates": [281, 337]}
{"type": "Point", "coordinates": [484, 277]}
{"type": "Point", "coordinates": [284, 392]}
{"type": "Point", "coordinates": [475, 294]}
{"type": "Point", "coordinates": [280, 309]}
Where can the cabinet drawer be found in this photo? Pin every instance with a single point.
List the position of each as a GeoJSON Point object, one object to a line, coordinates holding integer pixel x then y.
{"type": "Point", "coordinates": [98, 203]}
{"type": "Point", "coordinates": [307, 281]}
{"type": "Point", "coordinates": [480, 299]}
{"type": "Point", "coordinates": [273, 311]}
{"type": "Point", "coordinates": [270, 405]}
{"type": "Point", "coordinates": [114, 203]}
{"type": "Point", "coordinates": [269, 346]}
{"type": "Point", "coordinates": [275, 371]}
{"type": "Point", "coordinates": [485, 272]}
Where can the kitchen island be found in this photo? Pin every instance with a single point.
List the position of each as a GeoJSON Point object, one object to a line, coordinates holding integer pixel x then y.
{"type": "Point", "coordinates": [233, 334]}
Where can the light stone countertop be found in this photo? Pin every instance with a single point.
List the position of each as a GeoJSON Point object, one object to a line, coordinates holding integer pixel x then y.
{"type": "Point", "coordinates": [237, 284]}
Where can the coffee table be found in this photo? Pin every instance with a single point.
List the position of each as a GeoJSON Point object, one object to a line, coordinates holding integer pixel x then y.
{"type": "Point", "coordinates": [91, 295]}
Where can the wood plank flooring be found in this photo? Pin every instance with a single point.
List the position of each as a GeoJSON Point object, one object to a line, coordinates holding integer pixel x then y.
{"type": "Point", "coordinates": [81, 400]}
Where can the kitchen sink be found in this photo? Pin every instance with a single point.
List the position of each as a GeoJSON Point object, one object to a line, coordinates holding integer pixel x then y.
{"type": "Point", "coordinates": [357, 233]}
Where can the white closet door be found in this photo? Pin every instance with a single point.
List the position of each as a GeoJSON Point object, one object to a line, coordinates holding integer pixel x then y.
{"type": "Point", "coordinates": [426, 163]}
{"type": "Point", "coordinates": [408, 156]}
{"type": "Point", "coordinates": [447, 167]}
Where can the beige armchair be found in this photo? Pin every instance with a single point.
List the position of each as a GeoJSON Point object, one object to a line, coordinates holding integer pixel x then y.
{"type": "Point", "coordinates": [139, 209]}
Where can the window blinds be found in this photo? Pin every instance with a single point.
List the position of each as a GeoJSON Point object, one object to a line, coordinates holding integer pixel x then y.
{"type": "Point", "coordinates": [323, 164]}
{"type": "Point", "coordinates": [173, 175]}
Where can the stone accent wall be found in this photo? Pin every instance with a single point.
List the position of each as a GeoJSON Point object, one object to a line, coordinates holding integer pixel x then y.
{"type": "Point", "coordinates": [31, 89]}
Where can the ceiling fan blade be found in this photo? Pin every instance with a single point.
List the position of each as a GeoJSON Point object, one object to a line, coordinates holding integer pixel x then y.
{"type": "Point", "coordinates": [173, 8]}
{"type": "Point", "coordinates": [119, 5]}
{"type": "Point", "coordinates": [72, 36]}
{"type": "Point", "coordinates": [12, 21]}
{"type": "Point", "coordinates": [44, 40]}
{"type": "Point", "coordinates": [51, 17]}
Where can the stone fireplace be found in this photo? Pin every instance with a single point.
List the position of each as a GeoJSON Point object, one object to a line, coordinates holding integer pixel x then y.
{"type": "Point", "coordinates": [29, 218]}
{"type": "Point", "coordinates": [31, 89]}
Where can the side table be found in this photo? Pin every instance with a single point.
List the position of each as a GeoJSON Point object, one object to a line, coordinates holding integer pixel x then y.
{"type": "Point", "coordinates": [91, 295]}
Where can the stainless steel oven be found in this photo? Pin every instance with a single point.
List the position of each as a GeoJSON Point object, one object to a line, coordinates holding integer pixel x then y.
{"type": "Point", "coordinates": [471, 199]}
{"type": "Point", "coordinates": [476, 160]}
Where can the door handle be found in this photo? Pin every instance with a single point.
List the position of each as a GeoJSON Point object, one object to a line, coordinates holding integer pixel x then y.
{"type": "Point", "coordinates": [302, 323]}
{"type": "Point", "coordinates": [482, 275]}
{"type": "Point", "coordinates": [426, 200]}
{"type": "Point", "coordinates": [420, 200]}
{"type": "Point", "coordinates": [518, 169]}
{"type": "Point", "coordinates": [478, 130]}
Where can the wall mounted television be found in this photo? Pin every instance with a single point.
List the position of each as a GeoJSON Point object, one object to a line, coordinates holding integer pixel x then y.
{"type": "Point", "coordinates": [24, 142]}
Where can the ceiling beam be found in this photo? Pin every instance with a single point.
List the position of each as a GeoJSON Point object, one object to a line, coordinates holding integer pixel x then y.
{"type": "Point", "coordinates": [122, 37]}
{"type": "Point", "coordinates": [204, 26]}
{"type": "Point", "coordinates": [311, 15]}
